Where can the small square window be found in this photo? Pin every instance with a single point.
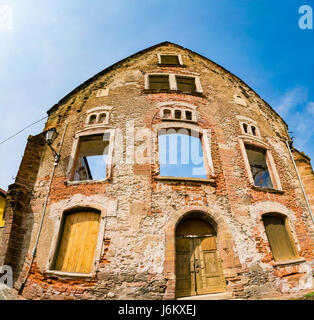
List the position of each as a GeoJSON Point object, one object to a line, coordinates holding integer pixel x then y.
{"type": "Point", "coordinates": [169, 60]}
{"type": "Point", "coordinates": [186, 84]}
{"type": "Point", "coordinates": [159, 82]}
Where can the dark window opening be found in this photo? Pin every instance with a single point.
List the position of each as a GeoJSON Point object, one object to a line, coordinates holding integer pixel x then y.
{"type": "Point", "coordinates": [278, 237]}
{"type": "Point", "coordinates": [169, 59]}
{"type": "Point", "coordinates": [245, 127]}
{"type": "Point", "coordinates": [186, 84]}
{"type": "Point", "coordinates": [188, 115]}
{"type": "Point", "coordinates": [253, 130]}
{"type": "Point", "coordinates": [259, 169]}
{"type": "Point", "coordinates": [167, 114]}
{"type": "Point", "coordinates": [102, 118]}
{"type": "Point", "coordinates": [92, 119]}
{"type": "Point", "coordinates": [91, 160]}
{"type": "Point", "coordinates": [159, 82]}
{"type": "Point", "coordinates": [177, 114]}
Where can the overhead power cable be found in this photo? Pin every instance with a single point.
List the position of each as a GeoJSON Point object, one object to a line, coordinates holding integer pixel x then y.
{"type": "Point", "coordinates": [23, 129]}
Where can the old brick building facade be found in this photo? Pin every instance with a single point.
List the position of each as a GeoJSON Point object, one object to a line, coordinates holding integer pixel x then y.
{"type": "Point", "coordinates": [131, 229]}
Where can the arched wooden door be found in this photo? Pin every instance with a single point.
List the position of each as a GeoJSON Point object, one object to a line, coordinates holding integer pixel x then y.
{"type": "Point", "coordinates": [198, 267]}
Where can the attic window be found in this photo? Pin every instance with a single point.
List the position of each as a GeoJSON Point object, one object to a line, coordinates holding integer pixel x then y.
{"type": "Point", "coordinates": [91, 159]}
{"type": "Point", "coordinates": [177, 114]}
{"type": "Point", "coordinates": [92, 119]}
{"type": "Point", "coordinates": [244, 125]}
{"type": "Point", "coordinates": [159, 82]}
{"type": "Point", "coordinates": [169, 60]}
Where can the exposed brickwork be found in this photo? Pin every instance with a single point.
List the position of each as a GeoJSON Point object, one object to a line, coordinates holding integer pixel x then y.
{"type": "Point", "coordinates": [141, 211]}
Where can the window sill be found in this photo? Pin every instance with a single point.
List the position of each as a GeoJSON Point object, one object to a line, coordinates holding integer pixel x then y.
{"type": "Point", "coordinates": [198, 94]}
{"type": "Point", "coordinates": [271, 190]}
{"type": "Point", "coordinates": [180, 120]}
{"type": "Point", "coordinates": [287, 262]}
{"type": "Point", "coordinates": [63, 274]}
{"type": "Point", "coordinates": [171, 65]}
{"type": "Point", "coordinates": [183, 179]}
{"type": "Point", "coordinates": [74, 183]}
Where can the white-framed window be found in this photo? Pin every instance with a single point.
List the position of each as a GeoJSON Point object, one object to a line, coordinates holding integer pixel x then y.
{"type": "Point", "coordinates": [170, 59]}
{"type": "Point", "coordinates": [178, 114]}
{"type": "Point", "coordinates": [98, 116]}
{"type": "Point", "coordinates": [260, 165]}
{"type": "Point", "coordinates": [183, 83]}
{"type": "Point", "coordinates": [91, 156]}
{"type": "Point", "coordinates": [184, 151]}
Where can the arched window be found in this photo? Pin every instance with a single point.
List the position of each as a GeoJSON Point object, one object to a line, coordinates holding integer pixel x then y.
{"type": "Point", "coordinates": [77, 241]}
{"type": "Point", "coordinates": [279, 237]}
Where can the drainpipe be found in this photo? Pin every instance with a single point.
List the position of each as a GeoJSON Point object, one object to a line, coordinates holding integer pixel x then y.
{"type": "Point", "coordinates": [57, 158]}
{"type": "Point", "coordinates": [296, 169]}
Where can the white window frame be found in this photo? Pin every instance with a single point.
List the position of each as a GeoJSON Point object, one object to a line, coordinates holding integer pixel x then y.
{"type": "Point", "coordinates": [73, 156]}
{"type": "Point", "coordinates": [173, 81]}
{"type": "Point", "coordinates": [205, 136]}
{"type": "Point", "coordinates": [269, 162]}
{"type": "Point", "coordinates": [98, 111]}
{"type": "Point", "coordinates": [170, 54]}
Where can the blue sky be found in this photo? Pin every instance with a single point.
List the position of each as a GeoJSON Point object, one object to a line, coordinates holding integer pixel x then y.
{"type": "Point", "coordinates": [47, 48]}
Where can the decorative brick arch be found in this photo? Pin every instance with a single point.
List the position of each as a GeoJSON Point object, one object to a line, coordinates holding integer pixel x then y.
{"type": "Point", "coordinates": [224, 237]}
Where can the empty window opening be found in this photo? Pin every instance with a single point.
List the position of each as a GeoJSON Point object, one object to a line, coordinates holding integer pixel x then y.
{"type": "Point", "coordinates": [259, 169]}
{"type": "Point", "coordinates": [177, 114]}
{"type": "Point", "coordinates": [159, 82]}
{"type": "Point", "coordinates": [169, 59]}
{"type": "Point", "coordinates": [253, 129]}
{"type": "Point", "coordinates": [167, 114]}
{"type": "Point", "coordinates": [78, 240]}
{"type": "Point", "coordinates": [186, 84]}
{"type": "Point", "coordinates": [91, 160]}
{"type": "Point", "coordinates": [181, 154]}
{"type": "Point", "coordinates": [188, 115]}
{"type": "Point", "coordinates": [245, 127]}
{"type": "Point", "coordinates": [278, 236]}
{"type": "Point", "coordinates": [102, 117]}
{"type": "Point", "coordinates": [92, 119]}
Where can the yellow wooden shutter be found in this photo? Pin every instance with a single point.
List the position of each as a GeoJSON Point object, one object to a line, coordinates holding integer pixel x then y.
{"type": "Point", "coordinates": [278, 238]}
{"type": "Point", "coordinates": [78, 244]}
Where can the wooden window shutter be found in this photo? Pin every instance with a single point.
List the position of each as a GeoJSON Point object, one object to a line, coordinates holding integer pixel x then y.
{"type": "Point", "coordinates": [78, 244]}
{"type": "Point", "coordinates": [159, 82]}
{"type": "Point", "coordinates": [186, 84]}
{"type": "Point", "coordinates": [278, 237]}
{"type": "Point", "coordinates": [169, 59]}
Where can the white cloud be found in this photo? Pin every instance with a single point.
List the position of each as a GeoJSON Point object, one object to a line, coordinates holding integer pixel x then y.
{"type": "Point", "coordinates": [310, 107]}
{"type": "Point", "coordinates": [291, 99]}
{"type": "Point", "coordinates": [6, 17]}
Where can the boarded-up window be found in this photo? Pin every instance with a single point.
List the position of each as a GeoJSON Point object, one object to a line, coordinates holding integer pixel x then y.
{"type": "Point", "coordinates": [169, 59]}
{"type": "Point", "coordinates": [186, 84]}
{"type": "Point", "coordinates": [78, 242]}
{"type": "Point", "coordinates": [259, 169]}
{"type": "Point", "coordinates": [159, 82]}
{"type": "Point", "coordinates": [278, 237]}
{"type": "Point", "coordinates": [91, 159]}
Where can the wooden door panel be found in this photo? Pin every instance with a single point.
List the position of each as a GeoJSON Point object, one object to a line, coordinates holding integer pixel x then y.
{"type": "Point", "coordinates": [78, 244]}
